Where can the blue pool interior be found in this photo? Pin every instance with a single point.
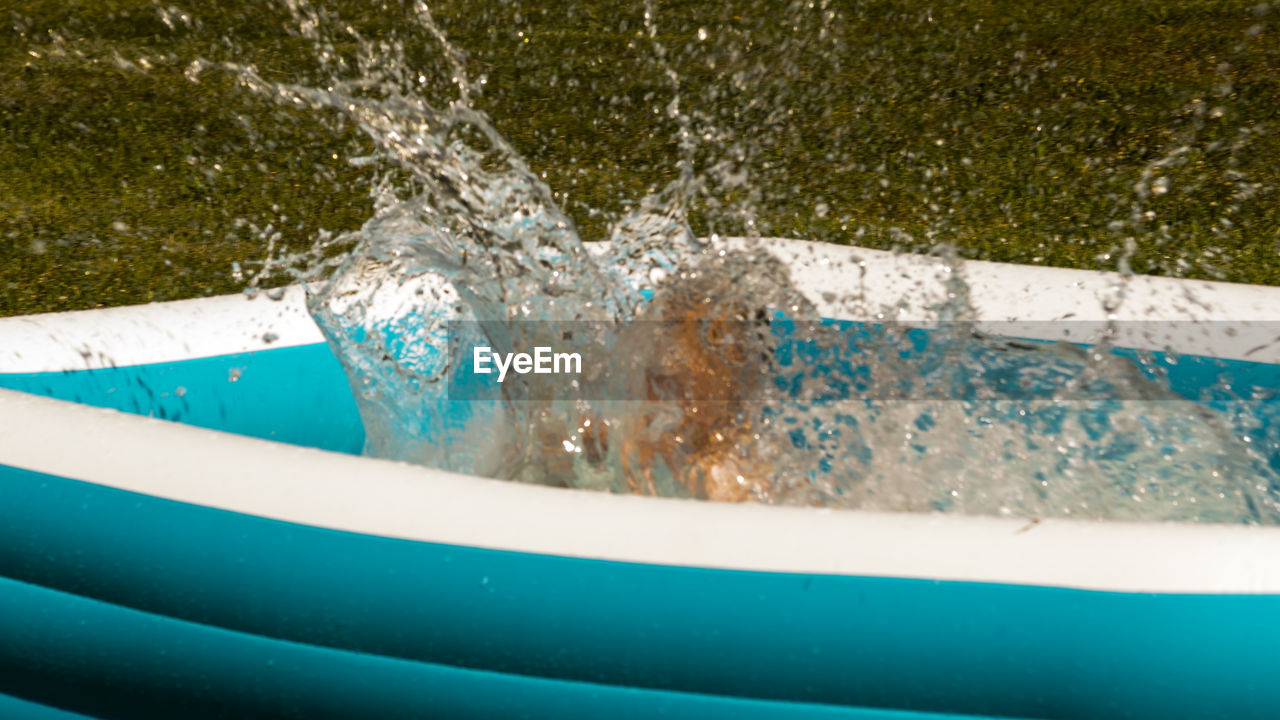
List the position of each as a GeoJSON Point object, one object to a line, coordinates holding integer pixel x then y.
{"type": "Point", "coordinates": [300, 395]}
{"type": "Point", "coordinates": [114, 604]}
{"type": "Point", "coordinates": [295, 395]}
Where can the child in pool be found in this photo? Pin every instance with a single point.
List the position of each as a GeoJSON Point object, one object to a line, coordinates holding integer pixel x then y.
{"type": "Point", "coordinates": [703, 358]}
{"type": "Point", "coordinates": [698, 355]}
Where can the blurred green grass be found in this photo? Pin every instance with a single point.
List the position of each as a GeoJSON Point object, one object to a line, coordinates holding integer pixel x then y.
{"type": "Point", "coordinates": [1025, 132]}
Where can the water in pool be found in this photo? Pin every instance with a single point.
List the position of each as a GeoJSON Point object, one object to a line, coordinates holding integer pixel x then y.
{"type": "Point", "coordinates": [723, 383]}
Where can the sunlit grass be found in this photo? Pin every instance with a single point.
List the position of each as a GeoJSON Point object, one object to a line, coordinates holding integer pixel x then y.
{"type": "Point", "coordinates": [1016, 130]}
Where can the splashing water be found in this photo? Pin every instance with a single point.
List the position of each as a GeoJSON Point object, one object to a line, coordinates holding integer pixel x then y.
{"type": "Point", "coordinates": [726, 384]}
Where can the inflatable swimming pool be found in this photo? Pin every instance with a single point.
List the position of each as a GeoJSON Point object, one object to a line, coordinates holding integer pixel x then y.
{"type": "Point", "coordinates": [188, 529]}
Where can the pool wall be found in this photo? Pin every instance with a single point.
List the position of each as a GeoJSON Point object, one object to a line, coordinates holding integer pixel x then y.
{"type": "Point", "coordinates": [165, 551]}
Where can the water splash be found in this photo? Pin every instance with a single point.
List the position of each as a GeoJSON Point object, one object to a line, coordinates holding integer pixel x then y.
{"type": "Point", "coordinates": [464, 230]}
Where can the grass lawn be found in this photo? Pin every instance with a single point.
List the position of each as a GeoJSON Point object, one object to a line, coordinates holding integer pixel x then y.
{"type": "Point", "coordinates": [1050, 132]}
